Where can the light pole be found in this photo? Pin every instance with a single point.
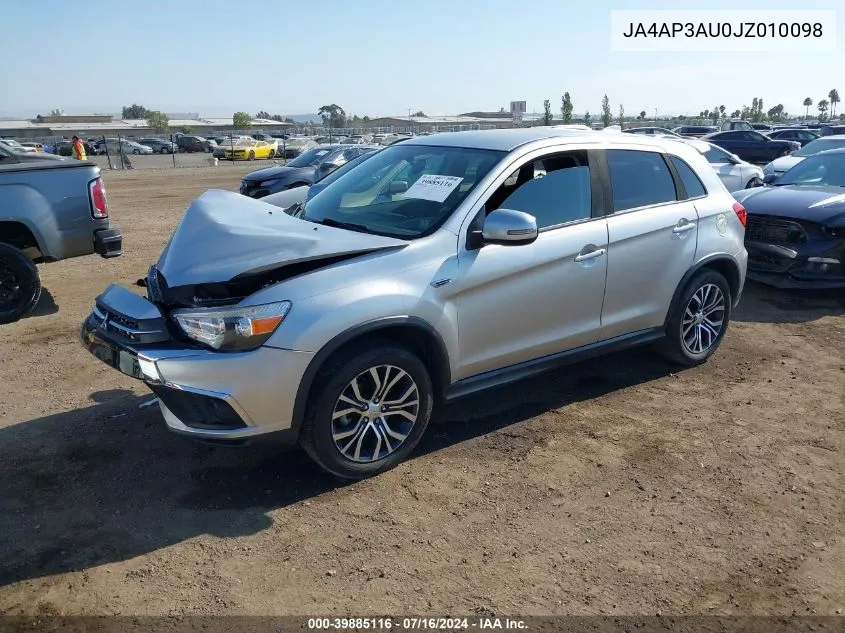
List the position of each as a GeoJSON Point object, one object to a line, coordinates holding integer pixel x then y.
{"type": "Point", "coordinates": [409, 121]}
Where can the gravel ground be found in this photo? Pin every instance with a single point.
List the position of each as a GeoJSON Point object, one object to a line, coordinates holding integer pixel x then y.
{"type": "Point", "coordinates": [619, 486]}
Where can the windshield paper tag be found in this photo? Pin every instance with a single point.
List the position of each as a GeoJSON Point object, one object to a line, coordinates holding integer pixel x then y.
{"type": "Point", "coordinates": [433, 187]}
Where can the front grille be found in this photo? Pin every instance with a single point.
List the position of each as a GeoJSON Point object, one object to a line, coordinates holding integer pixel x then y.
{"type": "Point", "coordinates": [772, 230]}
{"type": "Point", "coordinates": [128, 330]}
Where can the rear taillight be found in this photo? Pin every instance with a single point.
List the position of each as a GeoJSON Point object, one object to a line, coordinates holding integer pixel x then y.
{"type": "Point", "coordinates": [99, 206]}
{"type": "Point", "coordinates": [741, 213]}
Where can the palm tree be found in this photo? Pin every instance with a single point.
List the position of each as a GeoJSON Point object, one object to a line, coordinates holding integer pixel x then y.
{"type": "Point", "coordinates": [807, 103]}
{"type": "Point", "coordinates": [833, 95]}
{"type": "Point", "coordinates": [822, 106]}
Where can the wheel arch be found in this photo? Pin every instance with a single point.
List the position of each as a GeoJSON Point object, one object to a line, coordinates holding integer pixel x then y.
{"type": "Point", "coordinates": [414, 333]}
{"type": "Point", "coordinates": [723, 264]}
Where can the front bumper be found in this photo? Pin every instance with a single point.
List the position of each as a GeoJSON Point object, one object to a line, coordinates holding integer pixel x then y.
{"type": "Point", "coordinates": [202, 394]}
{"type": "Point", "coordinates": [815, 265]}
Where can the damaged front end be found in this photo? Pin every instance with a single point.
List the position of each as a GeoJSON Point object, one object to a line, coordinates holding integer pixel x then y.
{"type": "Point", "coordinates": [195, 340]}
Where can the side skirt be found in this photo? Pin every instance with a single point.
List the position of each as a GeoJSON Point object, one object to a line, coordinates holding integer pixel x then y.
{"type": "Point", "coordinates": [499, 377]}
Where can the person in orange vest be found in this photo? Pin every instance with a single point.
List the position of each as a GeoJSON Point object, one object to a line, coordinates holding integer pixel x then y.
{"type": "Point", "coordinates": [78, 149]}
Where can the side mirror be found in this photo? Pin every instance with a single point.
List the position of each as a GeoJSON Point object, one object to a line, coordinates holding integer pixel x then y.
{"type": "Point", "coordinates": [508, 227]}
{"type": "Point", "coordinates": [770, 179]}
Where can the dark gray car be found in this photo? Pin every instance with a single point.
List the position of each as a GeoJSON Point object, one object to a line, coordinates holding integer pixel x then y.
{"type": "Point", "coordinates": [160, 145]}
{"type": "Point", "coordinates": [305, 169]}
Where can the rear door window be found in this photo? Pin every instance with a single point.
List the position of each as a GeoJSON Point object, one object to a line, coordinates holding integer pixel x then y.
{"type": "Point", "coordinates": [639, 179]}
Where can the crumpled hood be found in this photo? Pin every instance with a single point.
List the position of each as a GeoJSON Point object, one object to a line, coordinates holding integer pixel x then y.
{"type": "Point", "coordinates": [224, 234]}
{"type": "Point", "coordinates": [802, 202]}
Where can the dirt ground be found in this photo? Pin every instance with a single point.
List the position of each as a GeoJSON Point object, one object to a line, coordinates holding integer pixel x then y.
{"type": "Point", "coordinates": [620, 486]}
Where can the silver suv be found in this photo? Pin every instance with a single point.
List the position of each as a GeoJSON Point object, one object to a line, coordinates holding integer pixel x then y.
{"type": "Point", "coordinates": [441, 266]}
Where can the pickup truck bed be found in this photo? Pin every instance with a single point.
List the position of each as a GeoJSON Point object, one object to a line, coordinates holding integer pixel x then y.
{"type": "Point", "coordinates": [49, 210]}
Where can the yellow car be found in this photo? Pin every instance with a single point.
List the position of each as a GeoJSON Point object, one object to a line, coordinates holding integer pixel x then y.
{"type": "Point", "coordinates": [249, 150]}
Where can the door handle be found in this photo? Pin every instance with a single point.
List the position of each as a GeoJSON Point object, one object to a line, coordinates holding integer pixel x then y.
{"type": "Point", "coordinates": [591, 255]}
{"type": "Point", "coordinates": [683, 228]}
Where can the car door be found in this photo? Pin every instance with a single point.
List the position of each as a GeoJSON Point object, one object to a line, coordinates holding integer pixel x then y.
{"type": "Point", "coordinates": [518, 303]}
{"type": "Point", "coordinates": [729, 173]}
{"type": "Point", "coordinates": [651, 241]}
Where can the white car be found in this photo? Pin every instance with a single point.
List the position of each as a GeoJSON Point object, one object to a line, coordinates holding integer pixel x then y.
{"type": "Point", "coordinates": [735, 173]}
{"type": "Point", "coordinates": [15, 146]}
{"type": "Point", "coordinates": [785, 163]}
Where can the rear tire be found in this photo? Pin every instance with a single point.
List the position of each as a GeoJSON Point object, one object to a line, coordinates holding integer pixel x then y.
{"type": "Point", "coordinates": [699, 320]}
{"type": "Point", "coordinates": [385, 435]}
{"type": "Point", "coordinates": [20, 284]}
{"type": "Point", "coordinates": [272, 154]}
{"type": "Point", "coordinates": [136, 151]}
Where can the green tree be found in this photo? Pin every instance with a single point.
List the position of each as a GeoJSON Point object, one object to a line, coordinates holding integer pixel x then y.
{"type": "Point", "coordinates": [642, 115]}
{"type": "Point", "coordinates": [822, 107]}
{"type": "Point", "coordinates": [606, 116]}
{"type": "Point", "coordinates": [714, 115]}
{"type": "Point", "coordinates": [833, 95]}
{"type": "Point", "coordinates": [807, 103]}
{"type": "Point", "coordinates": [134, 111]}
{"type": "Point", "coordinates": [587, 117]}
{"type": "Point", "coordinates": [261, 114]}
{"type": "Point", "coordinates": [419, 113]}
{"type": "Point", "coordinates": [722, 111]}
{"type": "Point", "coordinates": [566, 108]}
{"type": "Point", "coordinates": [187, 129]}
{"type": "Point", "coordinates": [158, 121]}
{"type": "Point", "coordinates": [736, 113]}
{"type": "Point", "coordinates": [621, 116]}
{"type": "Point", "coordinates": [547, 112]}
{"type": "Point", "coordinates": [333, 115]}
{"type": "Point", "coordinates": [241, 121]}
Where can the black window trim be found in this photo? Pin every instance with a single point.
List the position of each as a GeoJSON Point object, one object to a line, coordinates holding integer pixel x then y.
{"type": "Point", "coordinates": [608, 188]}
{"type": "Point", "coordinates": [679, 183]}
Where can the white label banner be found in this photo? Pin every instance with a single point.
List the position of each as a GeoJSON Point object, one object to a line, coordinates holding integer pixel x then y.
{"type": "Point", "coordinates": [776, 31]}
{"type": "Point", "coordinates": [433, 187]}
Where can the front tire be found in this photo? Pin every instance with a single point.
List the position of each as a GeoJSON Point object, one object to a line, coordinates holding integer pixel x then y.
{"type": "Point", "coordinates": [754, 182]}
{"type": "Point", "coordinates": [20, 284]}
{"type": "Point", "coordinates": [272, 154]}
{"type": "Point", "coordinates": [136, 151]}
{"type": "Point", "coordinates": [164, 150]}
{"type": "Point", "coordinates": [368, 410]}
{"type": "Point", "coordinates": [251, 155]}
{"type": "Point", "coordinates": [699, 321]}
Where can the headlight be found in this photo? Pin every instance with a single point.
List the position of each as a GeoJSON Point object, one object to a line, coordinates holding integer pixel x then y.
{"type": "Point", "coordinates": [230, 329]}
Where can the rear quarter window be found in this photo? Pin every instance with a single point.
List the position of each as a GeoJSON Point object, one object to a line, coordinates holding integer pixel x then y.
{"type": "Point", "coordinates": [692, 183]}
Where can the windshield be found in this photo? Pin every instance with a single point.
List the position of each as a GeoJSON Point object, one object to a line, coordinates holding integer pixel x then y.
{"type": "Point", "coordinates": [820, 145]}
{"type": "Point", "coordinates": [310, 158]}
{"type": "Point", "coordinates": [821, 169]}
{"type": "Point", "coordinates": [404, 191]}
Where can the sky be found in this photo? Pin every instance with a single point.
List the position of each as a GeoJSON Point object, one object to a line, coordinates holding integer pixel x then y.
{"type": "Point", "coordinates": [376, 57]}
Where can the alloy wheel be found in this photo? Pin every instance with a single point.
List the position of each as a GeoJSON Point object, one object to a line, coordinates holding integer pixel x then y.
{"type": "Point", "coordinates": [703, 319]}
{"type": "Point", "coordinates": [375, 413]}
